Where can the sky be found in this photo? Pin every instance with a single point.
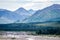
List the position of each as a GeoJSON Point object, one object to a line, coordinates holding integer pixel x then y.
{"type": "Point", "coordinates": [27, 4]}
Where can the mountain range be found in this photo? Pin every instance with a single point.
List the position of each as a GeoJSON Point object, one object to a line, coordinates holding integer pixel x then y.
{"type": "Point", "coordinates": [51, 13]}
{"type": "Point", "coordinates": [31, 11]}
{"type": "Point", "coordinates": [24, 13]}
{"type": "Point", "coordinates": [21, 15]}
{"type": "Point", "coordinates": [7, 16]}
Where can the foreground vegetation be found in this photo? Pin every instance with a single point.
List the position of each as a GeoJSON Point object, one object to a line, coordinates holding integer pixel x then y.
{"type": "Point", "coordinates": [39, 28]}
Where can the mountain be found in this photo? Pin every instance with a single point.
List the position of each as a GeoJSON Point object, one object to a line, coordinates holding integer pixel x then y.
{"type": "Point", "coordinates": [24, 13]}
{"type": "Point", "coordinates": [46, 14]}
{"type": "Point", "coordinates": [4, 20]}
{"type": "Point", "coordinates": [8, 15]}
{"type": "Point", "coordinates": [31, 11]}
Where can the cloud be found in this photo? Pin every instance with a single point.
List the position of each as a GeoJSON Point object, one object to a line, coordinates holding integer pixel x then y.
{"type": "Point", "coordinates": [7, 0]}
{"type": "Point", "coordinates": [37, 6]}
{"type": "Point", "coordinates": [27, 4]}
{"type": "Point", "coordinates": [39, 0]}
{"type": "Point", "coordinates": [28, 1]}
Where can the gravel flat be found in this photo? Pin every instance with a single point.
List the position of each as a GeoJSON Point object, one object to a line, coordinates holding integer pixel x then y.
{"type": "Point", "coordinates": [23, 36]}
{"type": "Point", "coordinates": [27, 37]}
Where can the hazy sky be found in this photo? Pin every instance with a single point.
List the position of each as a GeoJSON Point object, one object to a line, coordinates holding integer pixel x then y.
{"type": "Point", "coordinates": [27, 4]}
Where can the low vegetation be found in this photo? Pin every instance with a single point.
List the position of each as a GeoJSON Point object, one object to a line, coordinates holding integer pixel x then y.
{"type": "Point", "coordinates": [39, 29]}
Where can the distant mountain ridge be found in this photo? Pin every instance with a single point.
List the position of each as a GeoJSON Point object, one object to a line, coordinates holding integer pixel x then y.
{"type": "Point", "coordinates": [9, 15]}
{"type": "Point", "coordinates": [46, 14]}
{"type": "Point", "coordinates": [21, 15]}
{"type": "Point", "coordinates": [23, 12]}
{"type": "Point", "coordinates": [15, 16]}
{"type": "Point", "coordinates": [32, 11]}
{"type": "Point", "coordinates": [4, 20]}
